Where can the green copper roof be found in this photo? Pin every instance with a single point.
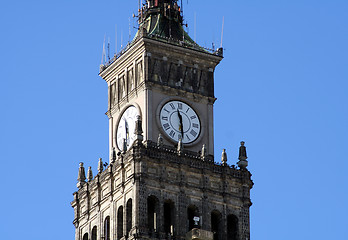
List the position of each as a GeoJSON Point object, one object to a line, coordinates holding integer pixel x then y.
{"type": "Point", "coordinates": [163, 20]}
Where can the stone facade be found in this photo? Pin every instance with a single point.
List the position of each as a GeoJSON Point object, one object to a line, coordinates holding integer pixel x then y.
{"type": "Point", "coordinates": [150, 183]}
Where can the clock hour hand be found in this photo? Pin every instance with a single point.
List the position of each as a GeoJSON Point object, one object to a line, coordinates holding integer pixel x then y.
{"type": "Point", "coordinates": [181, 126]}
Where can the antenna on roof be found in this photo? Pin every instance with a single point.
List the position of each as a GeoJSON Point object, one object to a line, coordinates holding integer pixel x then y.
{"type": "Point", "coordinates": [121, 40]}
{"type": "Point", "coordinates": [109, 49]}
{"type": "Point", "coordinates": [116, 39]}
{"type": "Point", "coordinates": [195, 26]}
{"type": "Point", "coordinates": [182, 7]}
{"type": "Point", "coordinates": [140, 12]}
{"type": "Point", "coordinates": [222, 31]}
{"type": "Point", "coordinates": [103, 53]}
{"type": "Point", "coordinates": [129, 31]}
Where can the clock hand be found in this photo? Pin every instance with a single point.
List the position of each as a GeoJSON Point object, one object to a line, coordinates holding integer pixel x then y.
{"type": "Point", "coordinates": [181, 126]}
{"type": "Point", "coordinates": [127, 132]}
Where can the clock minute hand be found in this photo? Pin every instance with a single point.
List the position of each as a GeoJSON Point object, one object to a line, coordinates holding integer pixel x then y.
{"type": "Point", "coordinates": [126, 127]}
{"type": "Point", "coordinates": [181, 126]}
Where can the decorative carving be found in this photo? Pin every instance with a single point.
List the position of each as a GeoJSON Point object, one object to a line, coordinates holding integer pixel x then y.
{"type": "Point", "coordinates": [180, 76]}
{"type": "Point", "coordinates": [131, 82]}
{"type": "Point", "coordinates": [140, 77]}
{"type": "Point", "coordinates": [113, 99]}
{"type": "Point", "coordinates": [122, 87]}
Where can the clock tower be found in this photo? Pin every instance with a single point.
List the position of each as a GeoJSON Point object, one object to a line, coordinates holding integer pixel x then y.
{"type": "Point", "coordinates": [167, 79]}
{"type": "Point", "coordinates": [162, 180]}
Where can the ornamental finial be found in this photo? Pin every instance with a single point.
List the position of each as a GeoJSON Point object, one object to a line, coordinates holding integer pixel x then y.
{"type": "Point", "coordinates": [81, 178]}
{"type": "Point", "coordinates": [204, 152]}
{"type": "Point", "coordinates": [242, 151]}
{"type": "Point", "coordinates": [160, 140]}
{"type": "Point", "coordinates": [100, 166]}
{"type": "Point", "coordinates": [180, 147]}
{"type": "Point", "coordinates": [113, 155]}
{"type": "Point", "coordinates": [138, 129]}
{"type": "Point", "coordinates": [243, 163]}
{"type": "Point", "coordinates": [89, 174]}
{"type": "Point", "coordinates": [224, 157]}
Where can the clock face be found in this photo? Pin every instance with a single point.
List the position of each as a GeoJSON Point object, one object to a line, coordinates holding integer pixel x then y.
{"type": "Point", "coordinates": [180, 121]}
{"type": "Point", "coordinates": [126, 127]}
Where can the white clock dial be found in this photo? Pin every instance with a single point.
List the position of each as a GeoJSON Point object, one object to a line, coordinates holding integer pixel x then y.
{"type": "Point", "coordinates": [179, 121]}
{"type": "Point", "coordinates": [126, 127]}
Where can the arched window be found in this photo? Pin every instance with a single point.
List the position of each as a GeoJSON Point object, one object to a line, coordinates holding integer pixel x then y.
{"type": "Point", "coordinates": [232, 227]}
{"type": "Point", "coordinates": [152, 213]}
{"type": "Point", "coordinates": [85, 237]}
{"type": "Point", "coordinates": [94, 233]}
{"type": "Point", "coordinates": [216, 224]}
{"type": "Point", "coordinates": [168, 215]}
{"type": "Point", "coordinates": [107, 228]}
{"type": "Point", "coordinates": [120, 222]}
{"type": "Point", "coordinates": [129, 216]}
{"type": "Point", "coordinates": [192, 216]}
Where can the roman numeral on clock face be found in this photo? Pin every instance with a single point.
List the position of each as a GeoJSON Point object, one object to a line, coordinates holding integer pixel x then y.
{"type": "Point", "coordinates": [166, 126]}
{"type": "Point", "coordinates": [172, 134]}
{"type": "Point", "coordinates": [187, 136]}
{"type": "Point", "coordinates": [193, 133]}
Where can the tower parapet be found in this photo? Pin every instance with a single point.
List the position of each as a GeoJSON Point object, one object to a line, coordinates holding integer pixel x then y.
{"type": "Point", "coordinates": [148, 174]}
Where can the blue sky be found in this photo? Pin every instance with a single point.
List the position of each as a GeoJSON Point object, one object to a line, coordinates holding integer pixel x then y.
{"type": "Point", "coordinates": [282, 88]}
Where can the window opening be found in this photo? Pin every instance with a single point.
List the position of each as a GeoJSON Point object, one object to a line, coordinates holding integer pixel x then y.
{"type": "Point", "coordinates": [120, 222]}
{"type": "Point", "coordinates": [232, 227]}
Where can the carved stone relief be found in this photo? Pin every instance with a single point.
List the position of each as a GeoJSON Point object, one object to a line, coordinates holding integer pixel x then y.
{"type": "Point", "coordinates": [178, 75]}
{"type": "Point", "coordinates": [131, 82]}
